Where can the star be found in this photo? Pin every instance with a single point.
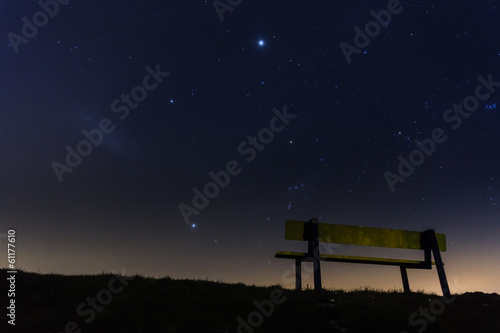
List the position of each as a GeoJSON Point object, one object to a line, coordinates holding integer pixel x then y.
{"type": "Point", "coordinates": [261, 42]}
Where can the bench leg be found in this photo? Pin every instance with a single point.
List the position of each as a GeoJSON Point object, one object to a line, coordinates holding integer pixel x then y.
{"type": "Point", "coordinates": [439, 264]}
{"type": "Point", "coordinates": [313, 252]}
{"type": "Point", "coordinates": [404, 277]}
{"type": "Point", "coordinates": [298, 275]}
{"type": "Point", "coordinates": [317, 274]}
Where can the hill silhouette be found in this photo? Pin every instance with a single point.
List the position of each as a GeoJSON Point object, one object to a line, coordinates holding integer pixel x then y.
{"type": "Point", "coordinates": [111, 303]}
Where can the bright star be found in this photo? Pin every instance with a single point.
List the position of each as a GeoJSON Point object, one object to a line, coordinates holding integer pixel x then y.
{"type": "Point", "coordinates": [261, 42]}
{"type": "Point", "coordinates": [193, 225]}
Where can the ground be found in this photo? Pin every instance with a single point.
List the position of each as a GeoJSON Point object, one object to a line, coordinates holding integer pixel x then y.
{"type": "Point", "coordinates": [109, 303]}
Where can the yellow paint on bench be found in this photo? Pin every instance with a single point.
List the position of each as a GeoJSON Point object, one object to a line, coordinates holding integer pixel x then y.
{"type": "Point", "coordinates": [368, 236]}
{"type": "Point", "coordinates": [333, 257]}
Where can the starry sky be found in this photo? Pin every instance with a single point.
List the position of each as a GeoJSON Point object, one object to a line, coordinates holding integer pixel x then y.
{"type": "Point", "coordinates": [285, 103]}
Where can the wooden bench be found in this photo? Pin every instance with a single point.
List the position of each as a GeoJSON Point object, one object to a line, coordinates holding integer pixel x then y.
{"type": "Point", "coordinates": [314, 233]}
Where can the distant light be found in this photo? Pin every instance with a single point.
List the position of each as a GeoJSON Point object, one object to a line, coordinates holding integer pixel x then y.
{"type": "Point", "coordinates": [261, 42]}
{"type": "Point", "coordinates": [171, 101]}
{"type": "Point", "coordinates": [193, 225]}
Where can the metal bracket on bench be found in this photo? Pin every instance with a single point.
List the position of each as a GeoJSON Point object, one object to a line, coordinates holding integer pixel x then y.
{"type": "Point", "coordinates": [432, 245]}
{"type": "Point", "coordinates": [298, 274]}
{"type": "Point", "coordinates": [404, 277]}
{"type": "Point", "coordinates": [312, 236]}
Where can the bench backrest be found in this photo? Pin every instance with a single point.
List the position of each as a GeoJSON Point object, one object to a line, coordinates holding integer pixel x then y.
{"type": "Point", "coordinates": [368, 236]}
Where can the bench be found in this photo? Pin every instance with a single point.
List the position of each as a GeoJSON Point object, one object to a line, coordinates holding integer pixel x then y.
{"type": "Point", "coordinates": [314, 233]}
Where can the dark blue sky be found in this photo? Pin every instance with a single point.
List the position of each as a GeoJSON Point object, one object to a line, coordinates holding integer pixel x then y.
{"type": "Point", "coordinates": [119, 206]}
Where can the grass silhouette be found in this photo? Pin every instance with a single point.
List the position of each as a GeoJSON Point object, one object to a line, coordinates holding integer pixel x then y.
{"type": "Point", "coordinates": [47, 302]}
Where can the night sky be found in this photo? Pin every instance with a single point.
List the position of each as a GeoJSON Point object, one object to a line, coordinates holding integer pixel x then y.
{"type": "Point", "coordinates": [116, 114]}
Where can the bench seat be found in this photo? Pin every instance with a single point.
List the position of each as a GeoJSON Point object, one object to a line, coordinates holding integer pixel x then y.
{"type": "Point", "coordinates": [354, 259]}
